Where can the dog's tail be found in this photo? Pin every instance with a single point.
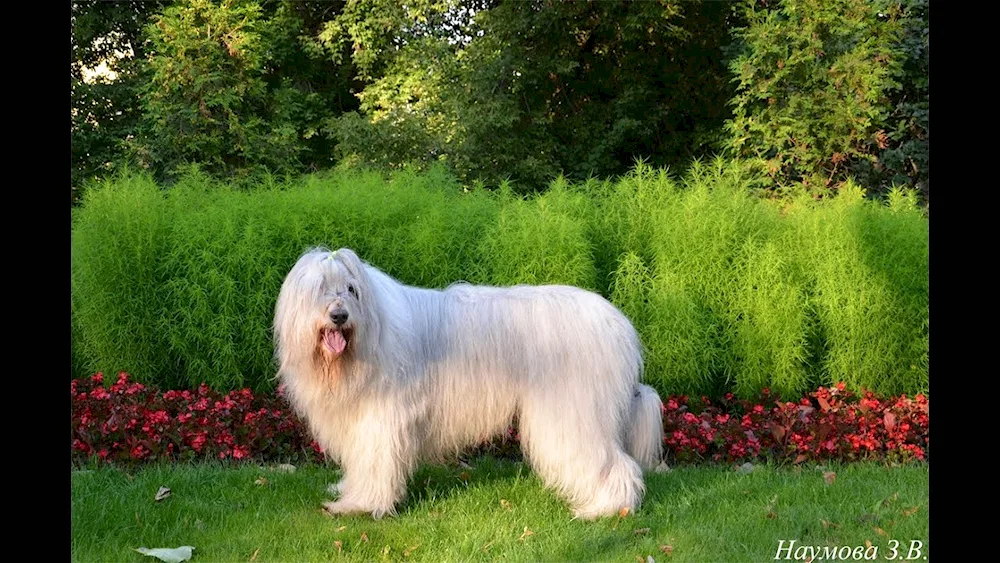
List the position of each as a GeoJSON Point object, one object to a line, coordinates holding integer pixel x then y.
{"type": "Point", "coordinates": [644, 437]}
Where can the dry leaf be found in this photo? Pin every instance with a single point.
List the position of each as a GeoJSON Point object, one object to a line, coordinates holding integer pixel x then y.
{"type": "Point", "coordinates": [505, 503]}
{"type": "Point", "coordinates": [667, 549]}
{"type": "Point", "coordinates": [800, 458]}
{"type": "Point", "coordinates": [770, 507]}
{"type": "Point", "coordinates": [261, 481]}
{"type": "Point", "coordinates": [640, 531]}
{"type": "Point", "coordinates": [910, 511]}
{"type": "Point", "coordinates": [464, 476]}
{"type": "Point", "coordinates": [829, 524]}
{"type": "Point", "coordinates": [254, 556]}
{"type": "Point", "coordinates": [364, 537]}
{"type": "Point", "coordinates": [829, 477]}
{"type": "Point", "coordinates": [880, 531]}
{"type": "Point", "coordinates": [409, 550]}
{"type": "Point", "coordinates": [339, 545]}
{"type": "Point", "coordinates": [161, 494]}
{"type": "Point", "coordinates": [487, 545]}
{"type": "Point", "coordinates": [341, 529]}
{"type": "Point", "coordinates": [526, 533]}
{"type": "Point", "coordinates": [868, 543]}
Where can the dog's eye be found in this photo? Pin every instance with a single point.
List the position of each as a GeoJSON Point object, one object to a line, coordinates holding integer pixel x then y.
{"type": "Point", "coordinates": [351, 289]}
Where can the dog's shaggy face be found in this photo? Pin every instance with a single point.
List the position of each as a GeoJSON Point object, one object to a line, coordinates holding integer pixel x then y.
{"type": "Point", "coordinates": [322, 305]}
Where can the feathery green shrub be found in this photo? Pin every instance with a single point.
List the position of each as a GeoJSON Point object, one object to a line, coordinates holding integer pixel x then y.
{"type": "Point", "coordinates": [729, 291]}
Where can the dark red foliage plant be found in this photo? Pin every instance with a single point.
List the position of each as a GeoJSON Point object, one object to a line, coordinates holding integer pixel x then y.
{"type": "Point", "coordinates": [128, 423]}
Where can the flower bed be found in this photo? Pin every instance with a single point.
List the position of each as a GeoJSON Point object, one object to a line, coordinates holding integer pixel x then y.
{"type": "Point", "coordinates": [129, 423]}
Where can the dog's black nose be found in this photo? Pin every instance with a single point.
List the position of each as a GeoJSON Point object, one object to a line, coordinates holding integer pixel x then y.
{"type": "Point", "coordinates": [338, 317]}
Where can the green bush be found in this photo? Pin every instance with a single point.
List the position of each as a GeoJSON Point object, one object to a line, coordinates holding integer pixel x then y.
{"type": "Point", "coordinates": [729, 291]}
{"type": "Point", "coordinates": [832, 89]}
{"type": "Point", "coordinates": [118, 241]}
{"type": "Point", "coordinates": [542, 240]}
{"type": "Point", "coordinates": [868, 265]}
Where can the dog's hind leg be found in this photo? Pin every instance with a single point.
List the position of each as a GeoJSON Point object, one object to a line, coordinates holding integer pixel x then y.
{"type": "Point", "coordinates": [577, 451]}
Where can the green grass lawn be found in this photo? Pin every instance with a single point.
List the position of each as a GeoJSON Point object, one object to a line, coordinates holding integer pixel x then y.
{"type": "Point", "coordinates": [496, 510]}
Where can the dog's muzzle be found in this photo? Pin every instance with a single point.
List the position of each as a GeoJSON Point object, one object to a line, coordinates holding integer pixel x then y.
{"type": "Point", "coordinates": [335, 339]}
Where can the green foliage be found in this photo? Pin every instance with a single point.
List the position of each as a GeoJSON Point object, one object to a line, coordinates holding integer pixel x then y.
{"type": "Point", "coordinates": [119, 238]}
{"type": "Point", "coordinates": [524, 90]}
{"type": "Point", "coordinates": [207, 100]}
{"type": "Point", "coordinates": [104, 112]}
{"type": "Point", "coordinates": [539, 241]}
{"type": "Point", "coordinates": [820, 84]}
{"type": "Point", "coordinates": [234, 88]}
{"type": "Point", "coordinates": [869, 276]}
{"type": "Point", "coordinates": [729, 291]}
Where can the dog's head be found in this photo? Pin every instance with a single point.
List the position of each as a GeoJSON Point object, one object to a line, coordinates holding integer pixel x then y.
{"type": "Point", "coordinates": [324, 308]}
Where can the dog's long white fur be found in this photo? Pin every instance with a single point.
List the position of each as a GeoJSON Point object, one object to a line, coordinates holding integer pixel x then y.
{"type": "Point", "coordinates": [428, 372]}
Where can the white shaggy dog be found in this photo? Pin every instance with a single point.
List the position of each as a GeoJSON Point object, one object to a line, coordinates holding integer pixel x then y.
{"type": "Point", "coordinates": [387, 375]}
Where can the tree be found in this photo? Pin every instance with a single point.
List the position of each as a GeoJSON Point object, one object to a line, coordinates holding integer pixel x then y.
{"type": "Point", "coordinates": [821, 82]}
{"type": "Point", "coordinates": [104, 112]}
{"type": "Point", "coordinates": [532, 89]}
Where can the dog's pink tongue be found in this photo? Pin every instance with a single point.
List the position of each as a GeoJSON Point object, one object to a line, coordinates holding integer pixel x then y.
{"type": "Point", "coordinates": [334, 340]}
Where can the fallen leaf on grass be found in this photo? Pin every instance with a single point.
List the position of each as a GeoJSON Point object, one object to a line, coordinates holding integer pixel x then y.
{"type": "Point", "coordinates": [464, 476]}
{"type": "Point", "coordinates": [487, 545]}
{"type": "Point", "coordinates": [364, 537]}
{"type": "Point", "coordinates": [254, 556]}
{"type": "Point", "coordinates": [505, 503]}
{"type": "Point", "coordinates": [910, 511]}
{"type": "Point", "coordinates": [162, 493]}
{"type": "Point", "coordinates": [526, 533]}
{"type": "Point", "coordinates": [889, 500]}
{"type": "Point", "coordinates": [668, 549]}
{"type": "Point", "coordinates": [868, 517]}
{"type": "Point", "coordinates": [339, 545]}
{"type": "Point", "coordinates": [341, 529]}
{"type": "Point", "coordinates": [880, 531]}
{"type": "Point", "coordinates": [829, 477]}
{"type": "Point", "coordinates": [770, 507]}
{"type": "Point", "coordinates": [640, 531]}
{"type": "Point", "coordinates": [385, 551]}
{"type": "Point", "coordinates": [800, 458]}
{"type": "Point", "coordinates": [409, 550]}
{"type": "Point", "coordinates": [829, 524]}
{"type": "Point", "coordinates": [174, 555]}
{"type": "Point", "coordinates": [260, 482]}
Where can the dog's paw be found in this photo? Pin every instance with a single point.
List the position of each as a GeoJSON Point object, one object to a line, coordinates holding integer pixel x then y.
{"type": "Point", "coordinates": [338, 507]}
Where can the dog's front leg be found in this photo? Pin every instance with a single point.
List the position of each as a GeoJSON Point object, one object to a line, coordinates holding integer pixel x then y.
{"type": "Point", "coordinates": [377, 460]}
